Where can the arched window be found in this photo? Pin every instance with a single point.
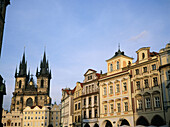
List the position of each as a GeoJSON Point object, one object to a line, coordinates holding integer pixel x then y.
{"type": "Point", "coordinates": [29, 102]}
{"type": "Point", "coordinates": [20, 83]}
{"type": "Point", "coordinates": [111, 67]}
{"type": "Point", "coordinates": [117, 64]}
{"type": "Point", "coordinates": [42, 83]}
{"type": "Point", "coordinates": [143, 55]}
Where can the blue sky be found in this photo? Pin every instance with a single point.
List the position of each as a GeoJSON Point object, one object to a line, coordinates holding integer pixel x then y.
{"type": "Point", "coordinates": [78, 35]}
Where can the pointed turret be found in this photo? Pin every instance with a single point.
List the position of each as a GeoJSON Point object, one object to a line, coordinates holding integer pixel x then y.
{"type": "Point", "coordinates": [37, 72]}
{"type": "Point", "coordinates": [16, 72]}
{"type": "Point", "coordinates": [23, 66]}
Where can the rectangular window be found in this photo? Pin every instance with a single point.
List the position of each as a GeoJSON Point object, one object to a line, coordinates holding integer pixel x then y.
{"type": "Point", "coordinates": [146, 83]}
{"type": "Point", "coordinates": [17, 102]}
{"type": "Point", "coordinates": [126, 106]}
{"type": "Point", "coordinates": [89, 113]}
{"type": "Point", "coordinates": [118, 107]}
{"type": "Point", "coordinates": [95, 99]}
{"type": "Point", "coordinates": [138, 85]}
{"type": "Point", "coordinates": [139, 104]}
{"type": "Point", "coordinates": [89, 77]}
{"type": "Point", "coordinates": [75, 118]}
{"type": "Point", "coordinates": [75, 107]}
{"type": "Point", "coordinates": [125, 86]}
{"type": "Point", "coordinates": [117, 88]}
{"type": "Point", "coordinates": [137, 71]}
{"type": "Point", "coordinates": [84, 114]}
{"type": "Point", "coordinates": [95, 115]}
{"type": "Point", "coordinates": [84, 101]}
{"type": "Point", "coordinates": [144, 69]}
{"type": "Point", "coordinates": [148, 103]}
{"type": "Point", "coordinates": [105, 109]}
{"type": "Point", "coordinates": [104, 91]}
{"type": "Point", "coordinates": [157, 102]}
{"type": "Point", "coordinates": [78, 105]}
{"type": "Point", "coordinates": [155, 81]}
{"type": "Point", "coordinates": [86, 89]}
{"type": "Point", "coordinates": [111, 89]}
{"type": "Point", "coordinates": [111, 108]}
{"type": "Point", "coordinates": [154, 67]}
{"type": "Point", "coordinates": [89, 100]}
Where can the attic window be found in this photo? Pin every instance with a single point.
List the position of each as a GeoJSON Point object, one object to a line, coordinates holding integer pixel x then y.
{"type": "Point", "coordinates": [143, 55]}
{"type": "Point", "coordinates": [89, 77]}
{"type": "Point", "coordinates": [117, 64]}
{"type": "Point", "coordinates": [111, 67]}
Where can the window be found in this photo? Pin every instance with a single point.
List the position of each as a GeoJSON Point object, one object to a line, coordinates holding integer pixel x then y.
{"type": "Point", "coordinates": [105, 109]}
{"type": "Point", "coordinates": [117, 88]}
{"type": "Point", "coordinates": [118, 107]}
{"type": "Point", "coordinates": [45, 117]}
{"type": "Point", "coordinates": [157, 102]}
{"type": "Point", "coordinates": [89, 77]}
{"type": "Point", "coordinates": [154, 67]}
{"type": "Point", "coordinates": [84, 101]}
{"type": "Point", "coordinates": [95, 115]}
{"type": "Point", "coordinates": [146, 83]}
{"type": "Point", "coordinates": [20, 83]}
{"type": "Point", "coordinates": [15, 124]}
{"type": "Point", "coordinates": [137, 71]}
{"type": "Point", "coordinates": [56, 124]}
{"type": "Point", "coordinates": [35, 117]}
{"type": "Point", "coordinates": [92, 88]}
{"type": "Point", "coordinates": [28, 117]}
{"type": "Point", "coordinates": [86, 89]}
{"type": "Point", "coordinates": [139, 104]}
{"type": "Point", "coordinates": [95, 99]}
{"type": "Point", "coordinates": [138, 85]}
{"type": "Point", "coordinates": [75, 107]}
{"type": "Point", "coordinates": [148, 103]}
{"type": "Point", "coordinates": [78, 105]}
{"type": "Point", "coordinates": [126, 106]}
{"type": "Point", "coordinates": [111, 108]}
{"type": "Point", "coordinates": [25, 117]}
{"type": "Point", "coordinates": [89, 100]}
{"type": "Point", "coordinates": [17, 102]}
{"type": "Point", "coordinates": [78, 118]}
{"type": "Point", "coordinates": [144, 69]}
{"type": "Point", "coordinates": [41, 124]}
{"type": "Point", "coordinates": [143, 55]}
{"type": "Point", "coordinates": [155, 81]}
{"type": "Point", "coordinates": [125, 86]}
{"type": "Point", "coordinates": [84, 114]}
{"type": "Point", "coordinates": [104, 90]}
{"type": "Point", "coordinates": [117, 64]}
{"type": "Point", "coordinates": [56, 118]}
{"type": "Point", "coordinates": [89, 113]}
{"type": "Point", "coordinates": [42, 83]}
{"type": "Point", "coordinates": [111, 89]}
{"type": "Point", "coordinates": [111, 67]}
{"type": "Point", "coordinates": [42, 117]}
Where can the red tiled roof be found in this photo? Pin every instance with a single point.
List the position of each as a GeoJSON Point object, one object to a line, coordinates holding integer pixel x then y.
{"type": "Point", "coordinates": [153, 54]}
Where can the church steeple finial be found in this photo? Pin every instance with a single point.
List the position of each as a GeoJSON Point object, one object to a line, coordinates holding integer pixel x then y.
{"type": "Point", "coordinates": [118, 46]}
{"type": "Point", "coordinates": [23, 65]}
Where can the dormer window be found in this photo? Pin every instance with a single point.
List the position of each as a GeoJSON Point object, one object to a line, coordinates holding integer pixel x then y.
{"type": "Point", "coordinates": [143, 55]}
{"type": "Point", "coordinates": [111, 67]}
{"type": "Point", "coordinates": [117, 64]}
{"type": "Point", "coordinates": [89, 77]}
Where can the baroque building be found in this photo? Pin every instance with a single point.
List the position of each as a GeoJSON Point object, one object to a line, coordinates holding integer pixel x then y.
{"type": "Point", "coordinates": [164, 69]}
{"type": "Point", "coordinates": [115, 92]}
{"type": "Point", "coordinates": [146, 89]}
{"type": "Point", "coordinates": [27, 92]}
{"type": "Point", "coordinates": [90, 99]}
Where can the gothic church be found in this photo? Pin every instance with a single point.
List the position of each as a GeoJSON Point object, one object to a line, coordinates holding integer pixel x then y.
{"type": "Point", "coordinates": [27, 92]}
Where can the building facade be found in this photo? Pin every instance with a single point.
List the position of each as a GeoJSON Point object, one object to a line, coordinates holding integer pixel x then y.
{"type": "Point", "coordinates": [67, 107]}
{"type": "Point", "coordinates": [90, 99]}
{"type": "Point", "coordinates": [77, 103]}
{"type": "Point", "coordinates": [13, 118]}
{"type": "Point", "coordinates": [26, 92]}
{"type": "Point", "coordinates": [146, 89]}
{"type": "Point", "coordinates": [164, 69]}
{"type": "Point", "coordinates": [115, 93]}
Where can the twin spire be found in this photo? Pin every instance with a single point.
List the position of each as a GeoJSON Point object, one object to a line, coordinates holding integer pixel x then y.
{"type": "Point", "coordinates": [44, 68]}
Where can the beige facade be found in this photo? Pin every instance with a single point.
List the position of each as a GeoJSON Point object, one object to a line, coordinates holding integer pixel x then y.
{"type": "Point", "coordinates": [55, 115]}
{"type": "Point", "coordinates": [67, 107]}
{"type": "Point", "coordinates": [13, 118]}
{"type": "Point", "coordinates": [77, 103]}
{"type": "Point", "coordinates": [146, 89]}
{"type": "Point", "coordinates": [36, 116]}
{"type": "Point", "coordinates": [115, 93]}
{"type": "Point", "coordinates": [165, 79]}
{"type": "Point", "coordinates": [90, 99]}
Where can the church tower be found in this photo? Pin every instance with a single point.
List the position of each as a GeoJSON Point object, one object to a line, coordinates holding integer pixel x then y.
{"type": "Point", "coordinates": [43, 81]}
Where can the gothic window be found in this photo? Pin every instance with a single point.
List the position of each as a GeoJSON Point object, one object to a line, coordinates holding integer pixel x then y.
{"type": "Point", "coordinates": [118, 65]}
{"type": "Point", "coordinates": [29, 102]}
{"type": "Point", "coordinates": [20, 83]}
{"type": "Point", "coordinates": [111, 67]}
{"type": "Point", "coordinates": [42, 83]}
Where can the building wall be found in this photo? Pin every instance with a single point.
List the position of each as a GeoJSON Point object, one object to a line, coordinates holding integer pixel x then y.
{"type": "Point", "coordinates": [55, 115]}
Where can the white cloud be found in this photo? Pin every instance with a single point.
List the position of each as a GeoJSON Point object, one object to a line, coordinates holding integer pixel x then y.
{"type": "Point", "coordinates": [139, 36]}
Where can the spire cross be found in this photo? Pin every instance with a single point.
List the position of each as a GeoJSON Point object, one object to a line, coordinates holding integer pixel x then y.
{"type": "Point", "coordinates": [119, 46]}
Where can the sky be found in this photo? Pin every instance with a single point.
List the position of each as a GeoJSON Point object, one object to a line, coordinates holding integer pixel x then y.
{"type": "Point", "coordinates": [78, 35]}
